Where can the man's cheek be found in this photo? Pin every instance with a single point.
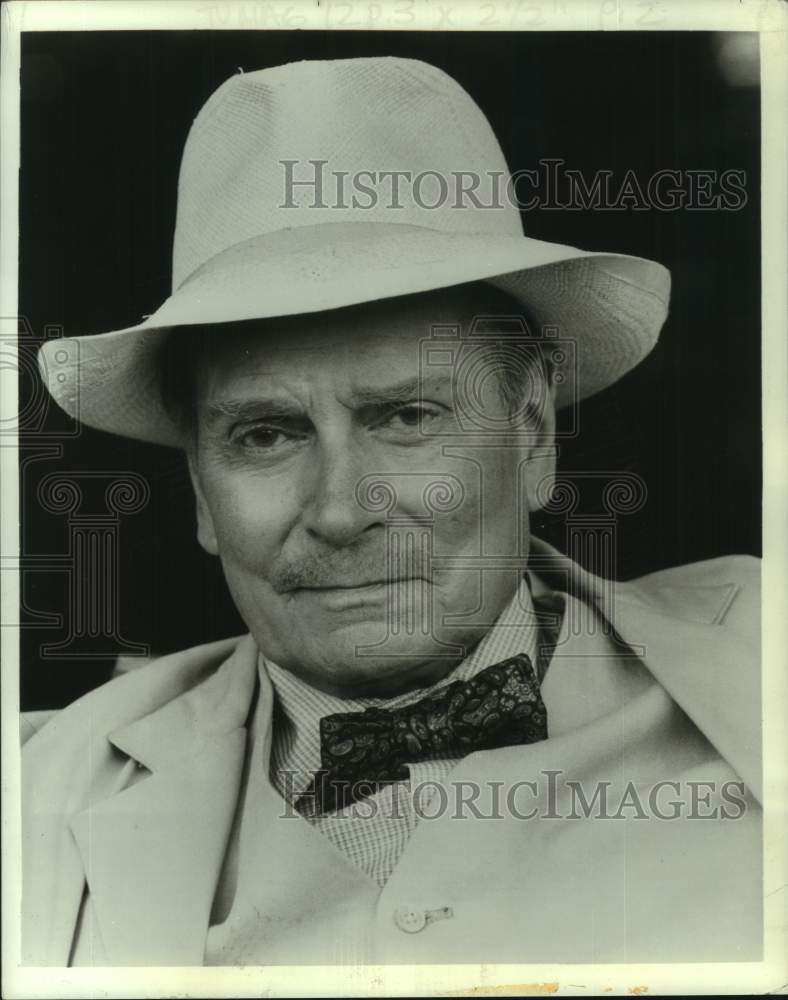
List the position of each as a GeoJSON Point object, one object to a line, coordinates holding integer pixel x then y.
{"type": "Point", "coordinates": [457, 532]}
{"type": "Point", "coordinates": [245, 528]}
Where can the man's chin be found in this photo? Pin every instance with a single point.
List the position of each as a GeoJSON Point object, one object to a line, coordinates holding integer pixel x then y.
{"type": "Point", "coordinates": [366, 658]}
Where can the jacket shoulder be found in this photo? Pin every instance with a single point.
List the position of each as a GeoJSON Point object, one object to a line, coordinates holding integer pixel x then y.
{"type": "Point", "coordinates": [742, 569]}
{"type": "Point", "coordinates": [725, 590]}
{"type": "Point", "coordinates": [31, 722]}
{"type": "Point", "coordinates": [128, 694]}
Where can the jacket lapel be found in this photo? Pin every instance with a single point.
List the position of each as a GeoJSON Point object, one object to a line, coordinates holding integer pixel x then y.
{"type": "Point", "coordinates": [69, 766]}
{"type": "Point", "coordinates": [147, 821]}
{"type": "Point", "coordinates": [707, 671]}
{"type": "Point", "coordinates": [153, 853]}
{"type": "Point", "coordinates": [53, 878]}
{"type": "Point", "coordinates": [705, 667]}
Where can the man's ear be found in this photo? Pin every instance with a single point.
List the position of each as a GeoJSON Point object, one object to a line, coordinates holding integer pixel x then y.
{"type": "Point", "coordinates": [540, 470]}
{"type": "Point", "coordinates": [206, 535]}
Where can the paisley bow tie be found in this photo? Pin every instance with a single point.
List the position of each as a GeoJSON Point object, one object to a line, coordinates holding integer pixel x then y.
{"type": "Point", "coordinates": [501, 706]}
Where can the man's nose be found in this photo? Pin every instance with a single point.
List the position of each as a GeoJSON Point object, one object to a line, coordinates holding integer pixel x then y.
{"type": "Point", "coordinates": [332, 511]}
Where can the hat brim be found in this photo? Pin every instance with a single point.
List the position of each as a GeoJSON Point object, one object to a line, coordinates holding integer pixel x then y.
{"type": "Point", "coordinates": [610, 306]}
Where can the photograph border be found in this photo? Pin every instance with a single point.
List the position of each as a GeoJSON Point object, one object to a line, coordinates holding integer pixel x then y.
{"type": "Point", "coordinates": [769, 18]}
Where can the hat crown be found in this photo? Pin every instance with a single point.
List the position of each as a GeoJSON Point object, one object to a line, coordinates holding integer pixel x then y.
{"type": "Point", "coordinates": [289, 146]}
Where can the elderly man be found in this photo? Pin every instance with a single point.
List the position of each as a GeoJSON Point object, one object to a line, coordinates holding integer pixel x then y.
{"type": "Point", "coordinates": [441, 740]}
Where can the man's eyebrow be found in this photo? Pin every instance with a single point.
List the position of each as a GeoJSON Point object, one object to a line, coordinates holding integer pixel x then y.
{"type": "Point", "coordinates": [251, 409]}
{"type": "Point", "coordinates": [400, 392]}
{"type": "Point", "coordinates": [275, 408]}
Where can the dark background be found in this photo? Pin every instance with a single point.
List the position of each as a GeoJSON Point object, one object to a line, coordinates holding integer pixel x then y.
{"type": "Point", "coordinates": [104, 119]}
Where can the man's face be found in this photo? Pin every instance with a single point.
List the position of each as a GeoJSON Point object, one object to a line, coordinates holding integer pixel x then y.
{"type": "Point", "coordinates": [333, 478]}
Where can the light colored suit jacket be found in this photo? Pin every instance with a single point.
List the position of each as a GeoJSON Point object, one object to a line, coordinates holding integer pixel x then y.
{"type": "Point", "coordinates": [130, 794]}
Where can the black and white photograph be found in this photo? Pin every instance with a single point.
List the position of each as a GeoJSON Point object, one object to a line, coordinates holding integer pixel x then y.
{"type": "Point", "coordinates": [382, 568]}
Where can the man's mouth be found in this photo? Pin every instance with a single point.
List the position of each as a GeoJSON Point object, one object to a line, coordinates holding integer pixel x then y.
{"type": "Point", "coordinates": [344, 596]}
{"type": "Point", "coordinates": [356, 584]}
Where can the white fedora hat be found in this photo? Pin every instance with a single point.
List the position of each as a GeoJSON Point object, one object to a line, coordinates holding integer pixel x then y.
{"type": "Point", "coordinates": [249, 246]}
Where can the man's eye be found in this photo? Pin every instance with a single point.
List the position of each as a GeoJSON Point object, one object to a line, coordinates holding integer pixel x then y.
{"type": "Point", "coordinates": [411, 417]}
{"type": "Point", "coordinates": [263, 438]}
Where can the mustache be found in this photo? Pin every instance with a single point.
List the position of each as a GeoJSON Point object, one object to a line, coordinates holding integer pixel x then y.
{"type": "Point", "coordinates": [348, 568]}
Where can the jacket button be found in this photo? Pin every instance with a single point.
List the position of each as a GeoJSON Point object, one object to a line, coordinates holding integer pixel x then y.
{"type": "Point", "coordinates": [409, 920]}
